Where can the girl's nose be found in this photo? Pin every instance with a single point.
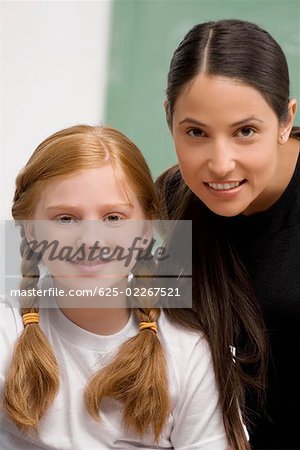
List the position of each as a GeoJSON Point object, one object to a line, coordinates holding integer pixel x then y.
{"type": "Point", "coordinates": [92, 233]}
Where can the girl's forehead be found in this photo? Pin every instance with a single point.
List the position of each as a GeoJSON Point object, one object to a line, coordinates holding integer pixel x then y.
{"type": "Point", "coordinates": [87, 187]}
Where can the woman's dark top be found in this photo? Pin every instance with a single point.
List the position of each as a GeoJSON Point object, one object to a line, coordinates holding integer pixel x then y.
{"type": "Point", "coordinates": [268, 244]}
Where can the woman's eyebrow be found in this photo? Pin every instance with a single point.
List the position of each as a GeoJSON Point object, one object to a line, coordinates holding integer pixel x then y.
{"type": "Point", "coordinates": [248, 119]}
{"type": "Point", "coordinates": [192, 121]}
{"type": "Point", "coordinates": [235, 124]}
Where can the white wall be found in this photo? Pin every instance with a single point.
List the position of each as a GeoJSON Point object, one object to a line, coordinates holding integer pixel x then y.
{"type": "Point", "coordinates": [53, 73]}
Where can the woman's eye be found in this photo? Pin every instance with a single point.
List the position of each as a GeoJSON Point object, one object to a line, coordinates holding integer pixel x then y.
{"type": "Point", "coordinates": [246, 132]}
{"type": "Point", "coordinates": [195, 132]}
{"type": "Point", "coordinates": [66, 219]}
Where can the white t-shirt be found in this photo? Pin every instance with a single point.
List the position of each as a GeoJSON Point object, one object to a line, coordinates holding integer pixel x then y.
{"type": "Point", "coordinates": [194, 424]}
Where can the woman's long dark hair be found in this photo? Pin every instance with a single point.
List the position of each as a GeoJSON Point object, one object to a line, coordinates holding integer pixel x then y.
{"type": "Point", "coordinates": [224, 305]}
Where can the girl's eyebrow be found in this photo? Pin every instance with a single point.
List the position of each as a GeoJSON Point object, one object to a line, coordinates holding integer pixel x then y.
{"type": "Point", "coordinates": [236, 124]}
{"type": "Point", "coordinates": [76, 207]}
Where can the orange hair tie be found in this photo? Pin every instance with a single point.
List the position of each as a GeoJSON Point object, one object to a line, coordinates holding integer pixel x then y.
{"type": "Point", "coordinates": [145, 325]}
{"type": "Point", "coordinates": [30, 318]}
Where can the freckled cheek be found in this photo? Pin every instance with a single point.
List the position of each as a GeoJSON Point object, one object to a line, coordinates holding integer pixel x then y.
{"type": "Point", "coordinates": [64, 236]}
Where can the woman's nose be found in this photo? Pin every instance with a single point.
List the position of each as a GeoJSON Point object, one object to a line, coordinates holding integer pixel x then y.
{"type": "Point", "coordinates": [221, 162]}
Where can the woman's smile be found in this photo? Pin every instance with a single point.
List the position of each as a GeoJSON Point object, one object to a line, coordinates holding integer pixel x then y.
{"type": "Point", "coordinates": [225, 190]}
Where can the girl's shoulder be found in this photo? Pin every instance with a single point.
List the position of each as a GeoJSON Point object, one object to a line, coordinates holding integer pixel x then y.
{"type": "Point", "coordinates": [10, 328]}
{"type": "Point", "coordinates": [179, 340]}
{"type": "Point", "coordinates": [193, 388]}
{"type": "Point", "coordinates": [10, 320]}
{"type": "Point", "coordinates": [188, 356]}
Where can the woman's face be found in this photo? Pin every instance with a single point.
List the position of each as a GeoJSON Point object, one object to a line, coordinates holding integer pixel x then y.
{"type": "Point", "coordinates": [226, 138]}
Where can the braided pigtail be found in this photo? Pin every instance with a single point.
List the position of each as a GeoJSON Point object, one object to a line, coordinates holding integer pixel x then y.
{"type": "Point", "coordinates": [137, 377]}
{"type": "Point", "coordinates": [32, 380]}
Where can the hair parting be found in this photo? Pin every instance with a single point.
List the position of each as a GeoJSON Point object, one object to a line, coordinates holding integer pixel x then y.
{"type": "Point", "coordinates": [236, 49]}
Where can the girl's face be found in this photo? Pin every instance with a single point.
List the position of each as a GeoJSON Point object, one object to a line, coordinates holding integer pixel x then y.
{"type": "Point", "coordinates": [226, 138]}
{"type": "Point", "coordinates": [86, 212]}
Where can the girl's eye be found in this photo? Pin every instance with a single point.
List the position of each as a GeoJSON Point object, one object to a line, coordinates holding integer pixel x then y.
{"type": "Point", "coordinates": [246, 132]}
{"type": "Point", "coordinates": [195, 132]}
{"type": "Point", "coordinates": [66, 220]}
{"type": "Point", "coordinates": [113, 218]}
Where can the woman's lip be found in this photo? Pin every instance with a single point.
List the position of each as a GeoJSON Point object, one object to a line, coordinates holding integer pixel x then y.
{"type": "Point", "coordinates": [240, 180]}
{"type": "Point", "coordinates": [225, 193]}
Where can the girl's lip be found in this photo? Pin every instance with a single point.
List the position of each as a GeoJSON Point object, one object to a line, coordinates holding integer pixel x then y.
{"type": "Point", "coordinates": [88, 266]}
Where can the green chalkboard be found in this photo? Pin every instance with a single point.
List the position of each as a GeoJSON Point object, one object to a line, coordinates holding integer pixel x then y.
{"type": "Point", "coordinates": [144, 36]}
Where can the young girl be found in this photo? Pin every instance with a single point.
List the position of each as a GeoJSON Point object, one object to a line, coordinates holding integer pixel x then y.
{"type": "Point", "coordinates": [231, 117]}
{"type": "Point", "coordinates": [98, 378]}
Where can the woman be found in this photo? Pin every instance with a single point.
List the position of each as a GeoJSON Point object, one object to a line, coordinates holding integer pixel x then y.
{"type": "Point", "coordinates": [231, 118]}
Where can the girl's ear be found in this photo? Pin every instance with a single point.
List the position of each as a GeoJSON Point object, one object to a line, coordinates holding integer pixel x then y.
{"type": "Point", "coordinates": [286, 126]}
{"type": "Point", "coordinates": [148, 231]}
{"type": "Point", "coordinates": [29, 230]}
